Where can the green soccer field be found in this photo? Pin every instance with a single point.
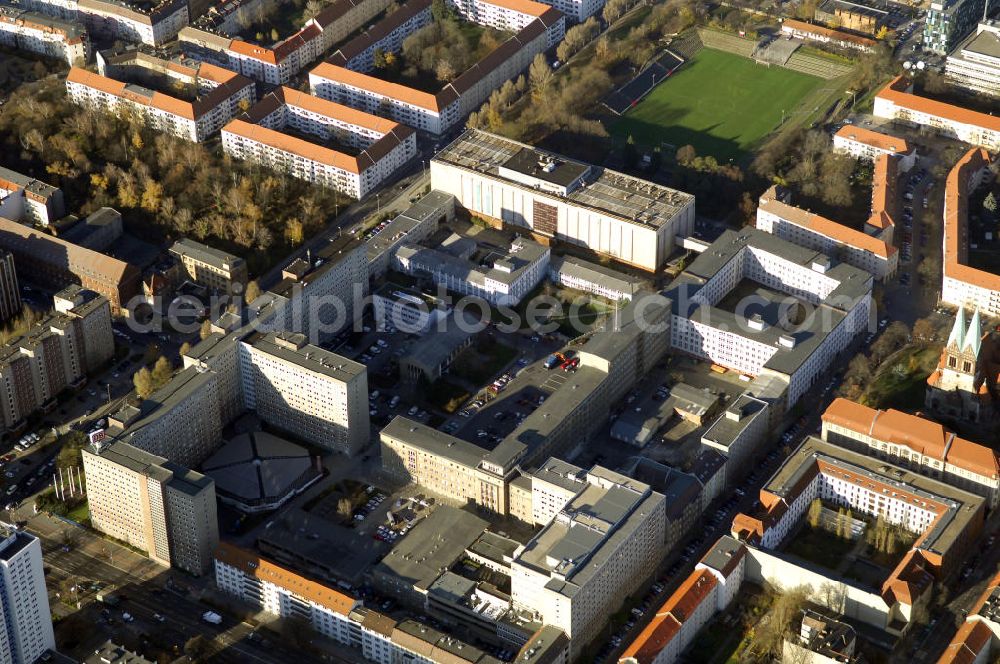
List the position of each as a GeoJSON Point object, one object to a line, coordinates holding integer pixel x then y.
{"type": "Point", "coordinates": [720, 103]}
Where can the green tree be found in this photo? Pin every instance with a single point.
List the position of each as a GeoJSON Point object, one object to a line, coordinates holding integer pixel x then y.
{"type": "Point", "coordinates": [162, 372]}
{"type": "Point", "coordinates": [252, 292]}
{"type": "Point", "coordinates": [206, 329]}
{"type": "Point", "coordinates": [990, 202]}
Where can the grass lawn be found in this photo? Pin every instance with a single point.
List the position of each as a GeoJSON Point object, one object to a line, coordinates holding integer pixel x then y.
{"type": "Point", "coordinates": [720, 103]}
{"type": "Point", "coordinates": [902, 380]}
{"type": "Point", "coordinates": [80, 513]}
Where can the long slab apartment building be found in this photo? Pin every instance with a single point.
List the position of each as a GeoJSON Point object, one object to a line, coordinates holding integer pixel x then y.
{"type": "Point", "coordinates": [45, 35]}
{"type": "Point", "coordinates": [149, 22]}
{"type": "Point", "coordinates": [217, 37]}
{"type": "Point", "coordinates": [557, 199]}
{"type": "Point", "coordinates": [373, 147]}
{"type": "Point", "coordinates": [152, 88]}
{"type": "Point", "coordinates": [963, 285]}
{"type": "Point", "coordinates": [345, 78]}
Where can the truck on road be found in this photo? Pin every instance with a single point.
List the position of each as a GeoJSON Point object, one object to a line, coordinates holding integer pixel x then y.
{"type": "Point", "coordinates": [212, 618]}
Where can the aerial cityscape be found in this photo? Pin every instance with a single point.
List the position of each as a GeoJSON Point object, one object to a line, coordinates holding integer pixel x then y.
{"type": "Point", "coordinates": [500, 331]}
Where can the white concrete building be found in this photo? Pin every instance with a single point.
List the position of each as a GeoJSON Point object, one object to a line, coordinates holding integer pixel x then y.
{"type": "Point", "coordinates": [39, 33]}
{"type": "Point", "coordinates": [23, 198]}
{"type": "Point", "coordinates": [509, 183]}
{"type": "Point", "coordinates": [575, 572]}
{"type": "Point", "coordinates": [975, 64]}
{"type": "Point", "coordinates": [315, 394]}
{"type": "Point", "coordinates": [26, 630]}
{"type": "Point", "coordinates": [382, 145]}
{"type": "Point", "coordinates": [140, 21]}
{"type": "Point", "coordinates": [762, 328]}
{"type": "Point", "coordinates": [512, 272]}
{"type": "Point", "coordinates": [515, 15]}
{"type": "Point", "coordinates": [897, 102]}
{"type": "Point", "coordinates": [214, 95]}
{"type": "Point", "coordinates": [406, 309]}
{"type": "Point", "coordinates": [588, 277]}
{"type": "Point", "coordinates": [386, 36]}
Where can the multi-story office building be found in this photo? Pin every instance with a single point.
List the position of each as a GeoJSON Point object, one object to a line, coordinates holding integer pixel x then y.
{"type": "Point", "coordinates": [56, 263]}
{"type": "Point", "coordinates": [269, 133]}
{"type": "Point", "coordinates": [582, 275]}
{"type": "Point", "coordinates": [741, 304]}
{"type": "Point", "coordinates": [313, 393]}
{"type": "Point", "coordinates": [320, 295]}
{"type": "Point", "coordinates": [873, 253]}
{"type": "Point", "coordinates": [408, 310]}
{"type": "Point", "coordinates": [153, 504]}
{"type": "Point", "coordinates": [961, 284]}
{"type": "Point", "coordinates": [55, 354]}
{"type": "Point", "coordinates": [597, 550]}
{"type": "Point", "coordinates": [215, 37]}
{"type": "Point", "coordinates": [914, 442]}
{"type": "Point", "coordinates": [38, 33]}
{"type": "Point", "coordinates": [375, 636]}
{"type": "Point", "coordinates": [430, 112]}
{"type": "Point", "coordinates": [948, 22]}
{"type": "Point", "coordinates": [210, 267]}
{"type": "Point", "coordinates": [511, 273]}
{"type": "Point", "coordinates": [611, 362]}
{"type": "Point", "coordinates": [555, 198]}
{"type": "Point", "coordinates": [10, 291]}
{"type": "Point", "coordinates": [186, 102]}
{"type": "Point", "coordinates": [26, 629]}
{"type": "Point", "coordinates": [414, 225]}
{"type": "Point", "coordinates": [975, 64]}
{"type": "Point", "coordinates": [896, 101]}
{"type": "Point", "coordinates": [23, 198]}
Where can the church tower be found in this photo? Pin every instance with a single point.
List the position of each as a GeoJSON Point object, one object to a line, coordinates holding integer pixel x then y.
{"type": "Point", "coordinates": [954, 389]}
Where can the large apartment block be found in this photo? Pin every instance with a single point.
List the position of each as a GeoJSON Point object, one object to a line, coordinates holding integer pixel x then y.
{"type": "Point", "coordinates": [191, 103]}
{"type": "Point", "coordinates": [38, 33]}
{"type": "Point", "coordinates": [348, 150]}
{"type": "Point", "coordinates": [344, 78]}
{"type": "Point", "coordinates": [55, 263]}
{"type": "Point", "coordinates": [147, 22]}
{"type": "Point", "coordinates": [597, 550]}
{"type": "Point", "coordinates": [210, 267]}
{"type": "Point", "coordinates": [874, 253]}
{"type": "Point", "coordinates": [23, 198]}
{"type": "Point", "coordinates": [55, 354]}
{"type": "Point", "coordinates": [215, 37]}
{"type": "Point", "coordinates": [896, 101]}
{"type": "Point", "coordinates": [555, 198]}
{"type": "Point", "coordinates": [26, 630]}
{"type": "Point", "coordinates": [315, 394]}
{"type": "Point", "coordinates": [153, 504]}
{"type": "Point", "coordinates": [961, 284]}
{"type": "Point", "coordinates": [914, 442]}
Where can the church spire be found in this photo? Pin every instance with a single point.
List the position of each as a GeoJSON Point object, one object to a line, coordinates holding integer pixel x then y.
{"type": "Point", "coordinates": [974, 335]}
{"type": "Point", "coordinates": [957, 336]}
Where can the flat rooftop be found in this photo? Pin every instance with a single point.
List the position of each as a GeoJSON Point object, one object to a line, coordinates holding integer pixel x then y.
{"type": "Point", "coordinates": [431, 546]}
{"type": "Point", "coordinates": [959, 506]}
{"type": "Point", "coordinates": [292, 348]}
{"type": "Point", "coordinates": [737, 417]}
{"type": "Point", "coordinates": [396, 230]}
{"type": "Point", "coordinates": [613, 193]}
{"type": "Point", "coordinates": [573, 547]}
